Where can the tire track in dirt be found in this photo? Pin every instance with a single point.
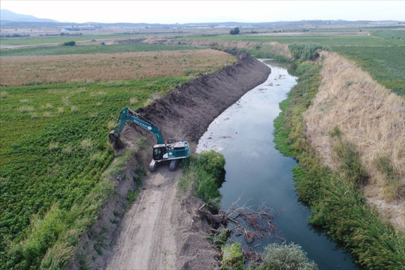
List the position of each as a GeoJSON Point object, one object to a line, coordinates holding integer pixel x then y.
{"type": "Point", "coordinates": [147, 238]}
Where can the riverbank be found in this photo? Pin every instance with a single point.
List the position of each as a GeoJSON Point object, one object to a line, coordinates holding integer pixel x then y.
{"type": "Point", "coordinates": [184, 113]}
{"type": "Point", "coordinates": [334, 194]}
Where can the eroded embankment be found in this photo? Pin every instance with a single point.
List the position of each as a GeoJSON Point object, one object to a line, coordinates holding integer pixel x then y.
{"type": "Point", "coordinates": [372, 118]}
{"type": "Point", "coordinates": [184, 113]}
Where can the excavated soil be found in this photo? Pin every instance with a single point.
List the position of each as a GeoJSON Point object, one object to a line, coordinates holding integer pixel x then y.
{"type": "Point", "coordinates": [161, 229]}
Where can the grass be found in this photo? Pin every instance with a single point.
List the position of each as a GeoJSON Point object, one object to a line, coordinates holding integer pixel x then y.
{"type": "Point", "coordinates": [38, 70]}
{"type": "Point", "coordinates": [337, 205]}
{"type": "Point", "coordinates": [92, 49]}
{"type": "Point", "coordinates": [51, 168]}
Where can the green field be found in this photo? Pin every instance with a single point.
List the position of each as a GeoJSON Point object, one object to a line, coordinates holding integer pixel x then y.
{"type": "Point", "coordinates": [385, 64]}
{"type": "Point", "coordinates": [92, 49]}
{"type": "Point", "coordinates": [382, 53]}
{"type": "Point", "coordinates": [323, 40]}
{"type": "Point", "coordinates": [62, 39]}
{"type": "Point", "coordinates": [53, 151]}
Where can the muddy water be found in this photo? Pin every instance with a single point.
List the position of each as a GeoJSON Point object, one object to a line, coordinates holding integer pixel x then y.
{"type": "Point", "coordinates": [259, 172]}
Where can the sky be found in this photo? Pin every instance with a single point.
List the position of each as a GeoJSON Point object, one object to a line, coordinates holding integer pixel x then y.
{"type": "Point", "coordinates": [206, 11]}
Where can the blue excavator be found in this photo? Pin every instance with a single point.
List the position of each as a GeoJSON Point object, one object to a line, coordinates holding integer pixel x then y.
{"type": "Point", "coordinates": [171, 151]}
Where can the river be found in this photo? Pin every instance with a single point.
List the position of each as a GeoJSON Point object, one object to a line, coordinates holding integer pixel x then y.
{"type": "Point", "coordinates": [257, 171]}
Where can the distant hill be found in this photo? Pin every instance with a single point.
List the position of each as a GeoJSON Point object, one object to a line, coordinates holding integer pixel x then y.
{"type": "Point", "coordinates": [6, 15]}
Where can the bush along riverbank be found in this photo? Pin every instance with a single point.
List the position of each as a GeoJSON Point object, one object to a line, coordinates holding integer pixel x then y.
{"type": "Point", "coordinates": [335, 198]}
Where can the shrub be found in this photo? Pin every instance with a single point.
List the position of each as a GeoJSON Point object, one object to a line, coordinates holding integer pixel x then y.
{"type": "Point", "coordinates": [206, 173]}
{"type": "Point", "coordinates": [305, 51]}
{"type": "Point", "coordinates": [290, 257]}
{"type": "Point", "coordinates": [234, 31]}
{"type": "Point", "coordinates": [232, 257]}
{"type": "Point", "coordinates": [69, 43]}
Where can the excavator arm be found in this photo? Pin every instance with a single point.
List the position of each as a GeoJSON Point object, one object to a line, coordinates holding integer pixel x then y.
{"type": "Point", "coordinates": [129, 115]}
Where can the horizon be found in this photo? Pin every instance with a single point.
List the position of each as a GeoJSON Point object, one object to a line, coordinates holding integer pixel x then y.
{"type": "Point", "coordinates": [177, 12]}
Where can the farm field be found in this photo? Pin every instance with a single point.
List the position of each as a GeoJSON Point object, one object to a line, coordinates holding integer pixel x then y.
{"type": "Point", "coordinates": [382, 53]}
{"type": "Point", "coordinates": [54, 145]}
{"type": "Point", "coordinates": [61, 39]}
{"type": "Point", "coordinates": [386, 65]}
{"type": "Point", "coordinates": [92, 49]}
{"type": "Point", "coordinates": [35, 70]}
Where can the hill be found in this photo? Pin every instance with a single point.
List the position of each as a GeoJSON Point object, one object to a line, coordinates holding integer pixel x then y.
{"type": "Point", "coordinates": [7, 15]}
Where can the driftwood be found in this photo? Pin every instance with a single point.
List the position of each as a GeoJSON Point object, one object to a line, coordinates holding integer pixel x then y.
{"type": "Point", "coordinates": [216, 220]}
{"type": "Point", "coordinates": [252, 224]}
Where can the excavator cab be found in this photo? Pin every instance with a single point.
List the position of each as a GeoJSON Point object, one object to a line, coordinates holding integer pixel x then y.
{"type": "Point", "coordinates": [159, 152]}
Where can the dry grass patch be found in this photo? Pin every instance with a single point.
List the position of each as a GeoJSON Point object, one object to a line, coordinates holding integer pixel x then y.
{"type": "Point", "coordinates": [369, 116]}
{"type": "Point", "coordinates": [133, 100]}
{"type": "Point", "coordinates": [86, 144]}
{"type": "Point", "coordinates": [26, 108]}
{"type": "Point", "coordinates": [3, 94]}
{"type": "Point", "coordinates": [53, 145]}
{"type": "Point", "coordinates": [18, 71]}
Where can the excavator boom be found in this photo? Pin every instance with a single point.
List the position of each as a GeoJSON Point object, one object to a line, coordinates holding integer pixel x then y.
{"type": "Point", "coordinates": [128, 114]}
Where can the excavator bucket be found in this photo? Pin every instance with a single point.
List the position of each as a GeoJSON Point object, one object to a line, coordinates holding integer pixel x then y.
{"type": "Point", "coordinates": [115, 140]}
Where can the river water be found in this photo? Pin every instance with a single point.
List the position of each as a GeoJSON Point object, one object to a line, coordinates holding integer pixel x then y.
{"type": "Point", "coordinates": [257, 171]}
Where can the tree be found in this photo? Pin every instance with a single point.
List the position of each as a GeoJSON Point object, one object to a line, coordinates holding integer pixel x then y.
{"type": "Point", "coordinates": [234, 31]}
{"type": "Point", "coordinates": [69, 43]}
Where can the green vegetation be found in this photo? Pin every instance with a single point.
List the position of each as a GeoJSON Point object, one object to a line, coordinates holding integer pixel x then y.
{"type": "Point", "coordinates": [54, 149]}
{"type": "Point", "coordinates": [204, 173]}
{"type": "Point", "coordinates": [284, 257]}
{"type": "Point", "coordinates": [234, 31]}
{"type": "Point", "coordinates": [69, 43]}
{"type": "Point", "coordinates": [328, 40]}
{"type": "Point", "coordinates": [338, 205]}
{"type": "Point", "coordinates": [63, 38]}
{"type": "Point", "coordinates": [382, 54]}
{"type": "Point", "coordinates": [385, 64]}
{"type": "Point", "coordinates": [305, 51]}
{"type": "Point", "coordinates": [232, 258]}
{"type": "Point", "coordinates": [221, 238]}
{"type": "Point", "coordinates": [92, 49]}
{"type": "Point", "coordinates": [266, 51]}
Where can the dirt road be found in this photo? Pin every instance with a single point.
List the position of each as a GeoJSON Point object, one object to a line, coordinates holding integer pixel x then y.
{"type": "Point", "coordinates": [147, 238]}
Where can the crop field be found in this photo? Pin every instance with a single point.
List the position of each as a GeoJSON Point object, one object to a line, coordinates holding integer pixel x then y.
{"type": "Point", "coordinates": [53, 148]}
{"type": "Point", "coordinates": [382, 53]}
{"type": "Point", "coordinates": [386, 65]}
{"type": "Point", "coordinates": [54, 144]}
{"type": "Point", "coordinates": [330, 41]}
{"type": "Point", "coordinates": [61, 39]}
{"type": "Point", "coordinates": [36, 70]}
{"type": "Point", "coordinates": [92, 49]}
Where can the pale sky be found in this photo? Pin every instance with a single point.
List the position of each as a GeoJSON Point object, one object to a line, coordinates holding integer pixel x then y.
{"type": "Point", "coordinates": [206, 11]}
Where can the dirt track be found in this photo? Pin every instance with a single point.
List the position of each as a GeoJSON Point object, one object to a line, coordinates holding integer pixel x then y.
{"type": "Point", "coordinates": [147, 239]}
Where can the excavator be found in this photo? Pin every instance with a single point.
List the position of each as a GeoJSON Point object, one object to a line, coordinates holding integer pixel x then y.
{"type": "Point", "coordinates": [171, 151]}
